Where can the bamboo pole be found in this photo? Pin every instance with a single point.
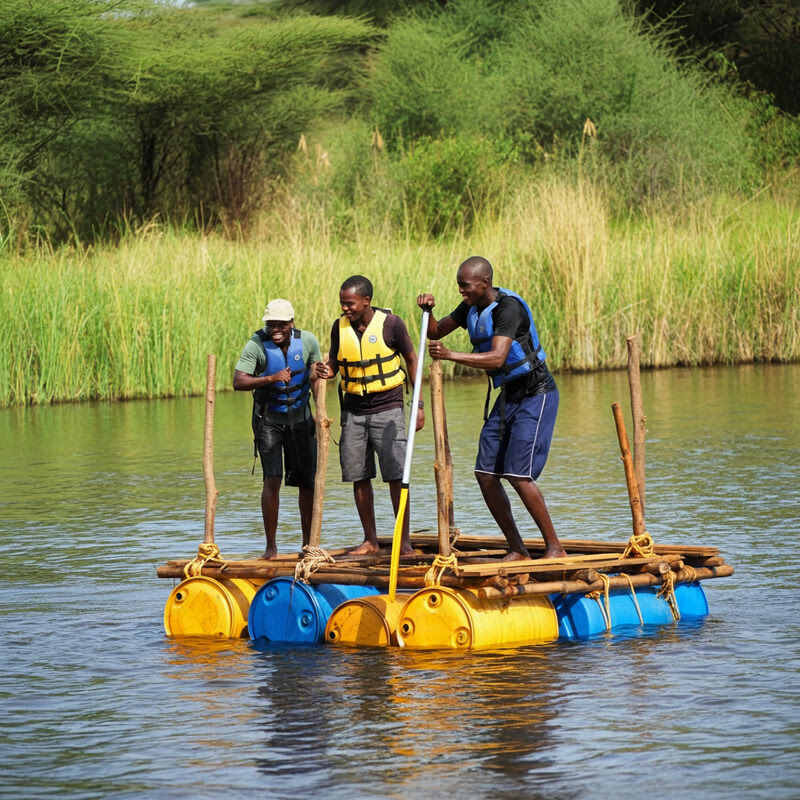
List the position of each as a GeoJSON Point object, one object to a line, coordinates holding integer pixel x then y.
{"type": "Point", "coordinates": [323, 442]}
{"type": "Point", "coordinates": [637, 413]}
{"type": "Point", "coordinates": [449, 462]}
{"type": "Point", "coordinates": [686, 575]}
{"type": "Point", "coordinates": [615, 582]}
{"type": "Point", "coordinates": [208, 451]}
{"type": "Point", "coordinates": [440, 464]}
{"type": "Point", "coordinates": [630, 477]}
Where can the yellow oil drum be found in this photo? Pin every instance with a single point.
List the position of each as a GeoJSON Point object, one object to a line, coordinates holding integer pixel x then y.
{"type": "Point", "coordinates": [369, 621]}
{"type": "Point", "coordinates": [212, 607]}
{"type": "Point", "coordinates": [438, 617]}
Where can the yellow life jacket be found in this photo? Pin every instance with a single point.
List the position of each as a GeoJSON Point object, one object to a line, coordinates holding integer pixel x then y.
{"type": "Point", "coordinates": [367, 364]}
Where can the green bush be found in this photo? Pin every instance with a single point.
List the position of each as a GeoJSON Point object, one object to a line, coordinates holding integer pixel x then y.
{"type": "Point", "coordinates": [535, 73]}
{"type": "Point", "coordinates": [447, 182]}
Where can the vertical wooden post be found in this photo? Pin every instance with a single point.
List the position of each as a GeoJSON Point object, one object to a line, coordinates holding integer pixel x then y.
{"type": "Point", "coordinates": [637, 413]}
{"type": "Point", "coordinates": [208, 451]}
{"type": "Point", "coordinates": [323, 440]}
{"type": "Point", "coordinates": [440, 467]}
{"type": "Point", "coordinates": [630, 477]}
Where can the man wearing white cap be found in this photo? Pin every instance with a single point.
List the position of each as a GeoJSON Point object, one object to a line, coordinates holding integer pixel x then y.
{"type": "Point", "coordinates": [277, 365]}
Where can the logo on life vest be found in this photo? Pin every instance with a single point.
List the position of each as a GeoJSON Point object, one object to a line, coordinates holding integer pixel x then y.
{"type": "Point", "coordinates": [482, 328]}
{"type": "Point", "coordinates": [373, 338]}
{"type": "Point", "coordinates": [297, 356]}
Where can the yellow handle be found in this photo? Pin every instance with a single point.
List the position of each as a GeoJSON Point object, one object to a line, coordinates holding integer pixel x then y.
{"type": "Point", "coordinates": [396, 539]}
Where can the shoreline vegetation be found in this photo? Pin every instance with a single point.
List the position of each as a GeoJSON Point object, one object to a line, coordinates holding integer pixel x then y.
{"type": "Point", "coordinates": [168, 168]}
{"type": "Point", "coordinates": [716, 283]}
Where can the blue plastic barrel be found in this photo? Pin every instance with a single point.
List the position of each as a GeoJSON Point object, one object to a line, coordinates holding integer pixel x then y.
{"type": "Point", "coordinates": [287, 611]}
{"type": "Point", "coordinates": [580, 617]}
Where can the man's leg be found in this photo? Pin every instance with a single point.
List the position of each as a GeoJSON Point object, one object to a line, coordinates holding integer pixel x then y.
{"type": "Point", "coordinates": [357, 460]}
{"type": "Point", "coordinates": [533, 500]}
{"type": "Point", "coordinates": [365, 503]}
{"type": "Point", "coordinates": [300, 453]}
{"type": "Point", "coordinates": [270, 495]}
{"type": "Point", "coordinates": [305, 501]}
{"type": "Point", "coordinates": [395, 490]}
{"type": "Point", "coordinates": [498, 503]}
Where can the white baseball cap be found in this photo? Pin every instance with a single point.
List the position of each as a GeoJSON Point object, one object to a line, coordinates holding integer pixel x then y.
{"type": "Point", "coordinates": [278, 310]}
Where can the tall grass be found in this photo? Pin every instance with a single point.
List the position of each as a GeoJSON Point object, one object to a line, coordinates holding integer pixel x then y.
{"type": "Point", "coordinates": [717, 283]}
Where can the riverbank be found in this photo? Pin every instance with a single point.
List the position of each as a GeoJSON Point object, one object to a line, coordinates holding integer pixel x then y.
{"type": "Point", "coordinates": [715, 283]}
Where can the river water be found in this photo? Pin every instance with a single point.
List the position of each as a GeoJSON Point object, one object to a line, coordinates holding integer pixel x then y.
{"type": "Point", "coordinates": [97, 702]}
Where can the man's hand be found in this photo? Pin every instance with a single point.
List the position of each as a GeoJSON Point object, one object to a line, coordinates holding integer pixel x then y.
{"type": "Point", "coordinates": [420, 419]}
{"type": "Point", "coordinates": [426, 301]}
{"type": "Point", "coordinates": [438, 350]}
{"type": "Point", "coordinates": [322, 370]}
{"type": "Point", "coordinates": [284, 375]}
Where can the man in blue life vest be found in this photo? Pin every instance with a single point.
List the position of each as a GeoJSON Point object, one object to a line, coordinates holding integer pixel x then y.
{"type": "Point", "coordinates": [515, 438]}
{"type": "Point", "coordinates": [277, 365]}
{"type": "Point", "coordinates": [366, 345]}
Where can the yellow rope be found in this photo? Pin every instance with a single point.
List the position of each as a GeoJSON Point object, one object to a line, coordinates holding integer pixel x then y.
{"type": "Point", "coordinates": [440, 563]}
{"type": "Point", "coordinates": [313, 559]}
{"type": "Point", "coordinates": [206, 551]}
{"type": "Point", "coordinates": [633, 595]}
{"type": "Point", "coordinates": [692, 571]}
{"type": "Point", "coordinates": [667, 591]}
{"type": "Point", "coordinates": [641, 546]}
{"type": "Point", "coordinates": [597, 594]}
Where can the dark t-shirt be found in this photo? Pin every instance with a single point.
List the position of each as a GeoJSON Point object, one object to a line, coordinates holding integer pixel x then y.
{"type": "Point", "coordinates": [395, 334]}
{"type": "Point", "coordinates": [509, 318]}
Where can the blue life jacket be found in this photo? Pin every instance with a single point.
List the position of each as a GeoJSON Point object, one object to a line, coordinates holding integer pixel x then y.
{"type": "Point", "coordinates": [522, 355]}
{"type": "Point", "coordinates": [280, 397]}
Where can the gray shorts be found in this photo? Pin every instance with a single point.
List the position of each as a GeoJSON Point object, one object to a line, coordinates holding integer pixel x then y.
{"type": "Point", "coordinates": [364, 435]}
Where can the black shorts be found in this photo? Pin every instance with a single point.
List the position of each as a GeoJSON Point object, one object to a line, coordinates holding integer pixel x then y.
{"type": "Point", "coordinates": [296, 444]}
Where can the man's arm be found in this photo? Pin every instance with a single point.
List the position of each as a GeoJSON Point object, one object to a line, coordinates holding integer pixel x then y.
{"type": "Point", "coordinates": [509, 317]}
{"type": "Point", "coordinates": [330, 366]}
{"type": "Point", "coordinates": [490, 360]}
{"type": "Point", "coordinates": [246, 374]}
{"type": "Point", "coordinates": [242, 381]}
{"type": "Point", "coordinates": [437, 329]}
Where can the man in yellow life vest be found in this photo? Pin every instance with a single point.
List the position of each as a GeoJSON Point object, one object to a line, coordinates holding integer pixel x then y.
{"type": "Point", "coordinates": [366, 345]}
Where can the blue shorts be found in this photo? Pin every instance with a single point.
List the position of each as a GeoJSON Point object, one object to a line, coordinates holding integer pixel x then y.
{"type": "Point", "coordinates": [518, 448]}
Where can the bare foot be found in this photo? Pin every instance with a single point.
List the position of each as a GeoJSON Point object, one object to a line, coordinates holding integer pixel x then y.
{"type": "Point", "coordinates": [270, 552]}
{"type": "Point", "coordinates": [408, 551]}
{"type": "Point", "coordinates": [556, 552]}
{"type": "Point", "coordinates": [513, 555]}
{"type": "Point", "coordinates": [364, 549]}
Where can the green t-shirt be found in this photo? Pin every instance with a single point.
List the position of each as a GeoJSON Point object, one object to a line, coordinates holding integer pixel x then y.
{"type": "Point", "coordinates": [253, 361]}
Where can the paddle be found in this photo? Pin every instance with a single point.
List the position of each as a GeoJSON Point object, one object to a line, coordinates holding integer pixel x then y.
{"type": "Point", "coordinates": [412, 429]}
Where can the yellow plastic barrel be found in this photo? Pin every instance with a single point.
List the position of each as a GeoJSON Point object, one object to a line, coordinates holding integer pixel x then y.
{"type": "Point", "coordinates": [369, 621]}
{"type": "Point", "coordinates": [438, 617]}
{"type": "Point", "coordinates": [203, 606]}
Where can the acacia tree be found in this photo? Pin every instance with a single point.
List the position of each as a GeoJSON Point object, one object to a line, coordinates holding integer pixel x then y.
{"type": "Point", "coordinates": [157, 110]}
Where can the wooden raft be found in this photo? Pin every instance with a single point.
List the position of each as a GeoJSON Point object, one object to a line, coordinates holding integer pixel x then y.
{"type": "Point", "coordinates": [480, 566]}
{"type": "Point", "coordinates": [455, 559]}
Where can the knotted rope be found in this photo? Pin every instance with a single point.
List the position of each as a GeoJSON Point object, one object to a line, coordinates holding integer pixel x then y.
{"type": "Point", "coordinates": [206, 551]}
{"type": "Point", "coordinates": [667, 592]}
{"type": "Point", "coordinates": [605, 610]}
{"type": "Point", "coordinates": [440, 563]}
{"type": "Point", "coordinates": [313, 559]}
{"type": "Point", "coordinates": [640, 545]}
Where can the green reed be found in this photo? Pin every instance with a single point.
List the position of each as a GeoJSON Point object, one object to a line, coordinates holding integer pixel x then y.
{"type": "Point", "coordinates": [717, 283]}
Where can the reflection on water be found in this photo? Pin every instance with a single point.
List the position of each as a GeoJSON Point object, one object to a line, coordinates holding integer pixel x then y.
{"type": "Point", "coordinates": [97, 702]}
